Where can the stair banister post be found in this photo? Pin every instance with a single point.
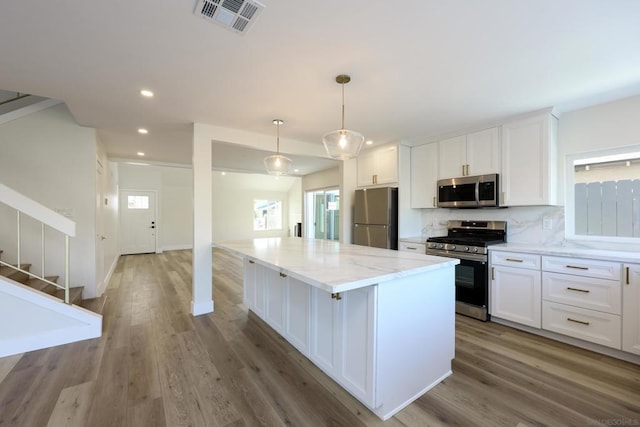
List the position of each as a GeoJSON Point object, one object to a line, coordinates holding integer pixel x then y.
{"type": "Point", "coordinates": [42, 250]}
{"type": "Point", "coordinates": [66, 268]}
{"type": "Point", "coordinates": [18, 234]}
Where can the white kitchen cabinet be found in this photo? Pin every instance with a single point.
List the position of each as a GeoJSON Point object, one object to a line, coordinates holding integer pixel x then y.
{"type": "Point", "coordinates": [254, 286]}
{"type": "Point", "coordinates": [424, 176]}
{"type": "Point", "coordinates": [276, 284]}
{"type": "Point", "coordinates": [343, 338]}
{"type": "Point", "coordinates": [298, 307]}
{"type": "Point", "coordinates": [477, 153]}
{"type": "Point", "coordinates": [529, 161]}
{"type": "Point", "coordinates": [582, 299]}
{"type": "Point", "coordinates": [631, 308]}
{"type": "Point", "coordinates": [420, 248]}
{"type": "Point", "coordinates": [516, 290]}
{"type": "Point", "coordinates": [378, 166]}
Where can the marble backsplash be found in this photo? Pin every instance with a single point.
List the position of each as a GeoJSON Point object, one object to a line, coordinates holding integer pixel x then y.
{"type": "Point", "coordinates": [524, 225]}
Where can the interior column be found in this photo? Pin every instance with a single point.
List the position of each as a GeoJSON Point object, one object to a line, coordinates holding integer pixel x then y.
{"type": "Point", "coordinates": [202, 294]}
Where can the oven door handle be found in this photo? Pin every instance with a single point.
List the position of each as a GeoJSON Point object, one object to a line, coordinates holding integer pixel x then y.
{"type": "Point", "coordinates": [459, 255]}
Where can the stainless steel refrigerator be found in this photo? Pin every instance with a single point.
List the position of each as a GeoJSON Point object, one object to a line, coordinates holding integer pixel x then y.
{"type": "Point", "coordinates": [375, 218]}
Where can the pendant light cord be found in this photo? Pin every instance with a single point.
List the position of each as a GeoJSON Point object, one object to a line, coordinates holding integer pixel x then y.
{"type": "Point", "coordinates": [342, 106]}
{"type": "Point", "coordinates": [278, 138]}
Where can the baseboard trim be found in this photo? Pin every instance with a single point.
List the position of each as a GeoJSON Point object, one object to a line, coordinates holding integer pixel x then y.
{"type": "Point", "coordinates": [176, 247]}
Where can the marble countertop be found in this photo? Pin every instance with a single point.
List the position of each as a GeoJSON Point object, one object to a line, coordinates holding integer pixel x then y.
{"type": "Point", "coordinates": [416, 239]}
{"type": "Point", "coordinates": [334, 266]}
{"type": "Point", "coordinates": [571, 251]}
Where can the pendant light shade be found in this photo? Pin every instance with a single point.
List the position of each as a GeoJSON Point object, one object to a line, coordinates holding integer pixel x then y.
{"type": "Point", "coordinates": [343, 144]}
{"type": "Point", "coordinates": [277, 164]}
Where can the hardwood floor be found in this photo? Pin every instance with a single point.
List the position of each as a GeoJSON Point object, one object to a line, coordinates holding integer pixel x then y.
{"type": "Point", "coordinates": [156, 365]}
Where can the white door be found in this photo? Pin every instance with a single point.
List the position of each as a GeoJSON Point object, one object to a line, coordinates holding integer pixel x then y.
{"type": "Point", "coordinates": [138, 221]}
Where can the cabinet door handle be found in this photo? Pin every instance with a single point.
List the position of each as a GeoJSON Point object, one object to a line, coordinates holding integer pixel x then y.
{"type": "Point", "coordinates": [251, 262]}
{"type": "Point", "coordinates": [463, 174]}
{"type": "Point", "coordinates": [586, 291]}
{"type": "Point", "coordinates": [467, 169]}
{"type": "Point", "coordinates": [577, 267]}
{"type": "Point", "coordinates": [502, 198]}
{"type": "Point", "coordinates": [283, 275]}
{"type": "Point", "coordinates": [627, 269]}
{"type": "Point", "coordinates": [336, 296]}
{"type": "Point", "coordinates": [577, 321]}
{"type": "Point", "coordinates": [513, 260]}
{"type": "Point", "coordinates": [493, 273]}
{"type": "Point", "coordinates": [434, 205]}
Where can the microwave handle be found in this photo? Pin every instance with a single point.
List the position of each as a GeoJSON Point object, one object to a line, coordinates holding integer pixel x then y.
{"type": "Point", "coordinates": [477, 191]}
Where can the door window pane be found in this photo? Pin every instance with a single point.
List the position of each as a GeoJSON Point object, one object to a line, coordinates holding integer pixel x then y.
{"type": "Point", "coordinates": [138, 202]}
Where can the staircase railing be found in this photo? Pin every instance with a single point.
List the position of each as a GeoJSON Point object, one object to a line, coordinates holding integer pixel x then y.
{"type": "Point", "coordinates": [47, 218]}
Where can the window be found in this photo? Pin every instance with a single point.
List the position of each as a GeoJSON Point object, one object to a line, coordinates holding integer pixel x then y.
{"type": "Point", "coordinates": [138, 202]}
{"type": "Point", "coordinates": [603, 194]}
{"type": "Point", "coordinates": [267, 215]}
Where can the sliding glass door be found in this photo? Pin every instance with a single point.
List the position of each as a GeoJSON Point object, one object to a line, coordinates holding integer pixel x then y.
{"type": "Point", "coordinates": [323, 214]}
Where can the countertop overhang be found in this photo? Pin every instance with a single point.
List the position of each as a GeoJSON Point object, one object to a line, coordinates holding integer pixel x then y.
{"type": "Point", "coordinates": [333, 266]}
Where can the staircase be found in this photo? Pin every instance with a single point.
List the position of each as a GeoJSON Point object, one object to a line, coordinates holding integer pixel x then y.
{"type": "Point", "coordinates": [35, 310]}
{"type": "Point", "coordinates": [75, 294]}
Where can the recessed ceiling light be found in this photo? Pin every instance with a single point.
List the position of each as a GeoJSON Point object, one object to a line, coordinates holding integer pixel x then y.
{"type": "Point", "coordinates": [369, 142]}
{"type": "Point", "coordinates": [296, 170]}
{"type": "Point", "coordinates": [146, 93]}
{"type": "Point", "coordinates": [223, 173]}
{"type": "Point", "coordinates": [143, 131]}
{"type": "Point", "coordinates": [140, 153]}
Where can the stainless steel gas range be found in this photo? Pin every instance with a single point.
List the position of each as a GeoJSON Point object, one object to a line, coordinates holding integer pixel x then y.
{"type": "Point", "coordinates": [468, 241]}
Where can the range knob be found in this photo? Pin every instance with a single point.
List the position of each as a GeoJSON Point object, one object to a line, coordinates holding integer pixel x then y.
{"type": "Point", "coordinates": [475, 249]}
{"type": "Point", "coordinates": [466, 248]}
{"type": "Point", "coordinates": [453, 247]}
{"type": "Point", "coordinates": [441, 246]}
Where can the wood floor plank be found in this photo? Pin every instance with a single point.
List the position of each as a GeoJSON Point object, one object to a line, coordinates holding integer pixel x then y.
{"type": "Point", "coordinates": [72, 407]}
{"type": "Point", "coordinates": [157, 365]}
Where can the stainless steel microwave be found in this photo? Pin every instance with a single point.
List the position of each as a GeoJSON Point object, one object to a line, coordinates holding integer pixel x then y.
{"type": "Point", "coordinates": [469, 192]}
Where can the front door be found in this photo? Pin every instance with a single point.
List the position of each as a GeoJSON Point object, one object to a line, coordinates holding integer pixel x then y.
{"type": "Point", "coordinates": [138, 221]}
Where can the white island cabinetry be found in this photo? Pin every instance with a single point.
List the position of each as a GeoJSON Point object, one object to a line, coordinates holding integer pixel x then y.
{"type": "Point", "coordinates": [379, 322]}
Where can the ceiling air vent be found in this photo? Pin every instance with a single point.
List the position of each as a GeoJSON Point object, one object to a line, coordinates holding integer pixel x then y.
{"type": "Point", "coordinates": [236, 15]}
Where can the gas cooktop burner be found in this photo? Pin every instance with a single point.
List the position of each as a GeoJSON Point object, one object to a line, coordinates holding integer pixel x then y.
{"type": "Point", "coordinates": [469, 236]}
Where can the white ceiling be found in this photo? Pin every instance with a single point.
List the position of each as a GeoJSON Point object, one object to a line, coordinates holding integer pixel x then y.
{"type": "Point", "coordinates": [419, 68]}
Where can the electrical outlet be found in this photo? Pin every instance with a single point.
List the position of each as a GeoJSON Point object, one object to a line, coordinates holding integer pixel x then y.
{"type": "Point", "coordinates": [547, 223]}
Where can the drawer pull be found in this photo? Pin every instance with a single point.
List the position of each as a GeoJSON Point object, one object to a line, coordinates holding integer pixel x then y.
{"type": "Point", "coordinates": [283, 275]}
{"type": "Point", "coordinates": [413, 248]}
{"type": "Point", "coordinates": [586, 291]}
{"type": "Point", "coordinates": [514, 260]}
{"type": "Point", "coordinates": [577, 267]}
{"type": "Point", "coordinates": [251, 262]}
{"type": "Point", "coordinates": [577, 321]}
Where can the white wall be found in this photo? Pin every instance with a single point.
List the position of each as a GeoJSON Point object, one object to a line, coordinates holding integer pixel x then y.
{"type": "Point", "coordinates": [48, 157]}
{"type": "Point", "coordinates": [174, 188]}
{"type": "Point", "coordinates": [233, 196]}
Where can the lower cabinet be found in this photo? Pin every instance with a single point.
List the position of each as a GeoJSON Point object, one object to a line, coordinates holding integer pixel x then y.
{"type": "Point", "coordinates": [336, 334]}
{"type": "Point", "coordinates": [516, 288]}
{"type": "Point", "coordinates": [631, 308]}
{"type": "Point", "coordinates": [297, 308]}
{"type": "Point", "coordinates": [342, 338]}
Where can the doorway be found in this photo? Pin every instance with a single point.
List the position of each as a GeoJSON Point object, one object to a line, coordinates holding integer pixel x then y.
{"type": "Point", "coordinates": [138, 226]}
{"type": "Point", "coordinates": [323, 211]}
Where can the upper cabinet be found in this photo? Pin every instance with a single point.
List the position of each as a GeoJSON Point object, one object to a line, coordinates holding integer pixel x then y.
{"type": "Point", "coordinates": [424, 175]}
{"type": "Point", "coordinates": [378, 166]}
{"type": "Point", "coordinates": [476, 153]}
{"type": "Point", "coordinates": [529, 161]}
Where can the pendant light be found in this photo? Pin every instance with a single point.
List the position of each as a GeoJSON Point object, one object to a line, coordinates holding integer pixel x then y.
{"type": "Point", "coordinates": [277, 164]}
{"type": "Point", "coordinates": [343, 144]}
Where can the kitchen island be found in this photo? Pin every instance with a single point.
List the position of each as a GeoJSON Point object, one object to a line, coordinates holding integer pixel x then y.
{"type": "Point", "coordinates": [379, 322]}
